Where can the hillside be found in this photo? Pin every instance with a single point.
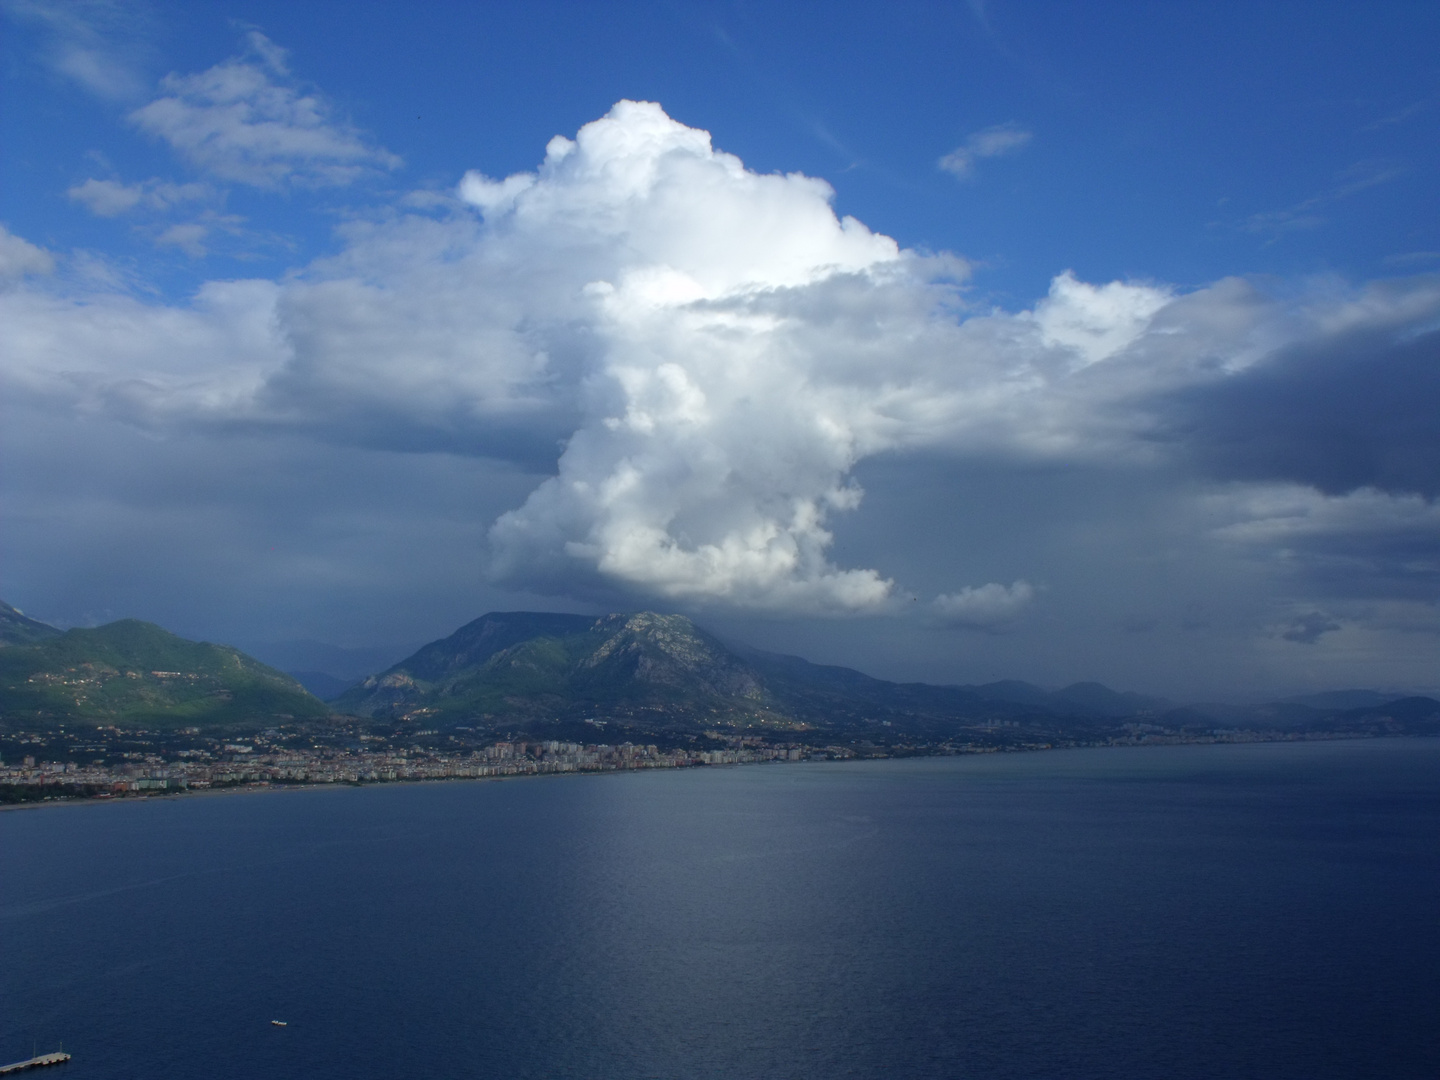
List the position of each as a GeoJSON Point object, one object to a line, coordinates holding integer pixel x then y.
{"type": "Point", "coordinates": [642, 678]}
{"type": "Point", "coordinates": [526, 665]}
{"type": "Point", "coordinates": [138, 674]}
{"type": "Point", "coordinates": [655, 676]}
{"type": "Point", "coordinates": [512, 670]}
{"type": "Point", "coordinates": [17, 628]}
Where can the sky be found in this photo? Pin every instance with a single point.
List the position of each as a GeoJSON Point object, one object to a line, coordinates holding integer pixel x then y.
{"type": "Point", "coordinates": [949, 341]}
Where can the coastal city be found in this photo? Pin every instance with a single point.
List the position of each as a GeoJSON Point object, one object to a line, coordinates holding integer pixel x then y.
{"type": "Point", "coordinates": [46, 766]}
{"type": "Point", "coordinates": [250, 763]}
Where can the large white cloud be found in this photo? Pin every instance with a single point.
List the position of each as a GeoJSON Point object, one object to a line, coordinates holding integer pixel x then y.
{"type": "Point", "coordinates": [700, 354]}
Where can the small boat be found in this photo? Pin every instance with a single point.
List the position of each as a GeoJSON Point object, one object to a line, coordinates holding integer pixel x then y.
{"type": "Point", "coordinates": [280, 1023]}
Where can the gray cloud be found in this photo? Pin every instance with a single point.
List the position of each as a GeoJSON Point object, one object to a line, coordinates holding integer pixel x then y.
{"type": "Point", "coordinates": [19, 258]}
{"type": "Point", "coordinates": [249, 537]}
{"type": "Point", "coordinates": [984, 607]}
{"type": "Point", "coordinates": [1308, 629]}
{"type": "Point", "coordinates": [1355, 407]}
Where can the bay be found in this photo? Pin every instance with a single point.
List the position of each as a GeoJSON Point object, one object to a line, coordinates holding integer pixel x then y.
{"type": "Point", "coordinates": [1195, 911]}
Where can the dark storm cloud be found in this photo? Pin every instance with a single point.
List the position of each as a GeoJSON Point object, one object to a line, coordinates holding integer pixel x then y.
{"type": "Point", "coordinates": [1360, 409]}
{"type": "Point", "coordinates": [1357, 411]}
{"type": "Point", "coordinates": [245, 537]}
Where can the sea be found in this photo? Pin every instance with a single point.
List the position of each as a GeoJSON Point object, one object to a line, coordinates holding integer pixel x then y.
{"type": "Point", "coordinates": [1256, 911]}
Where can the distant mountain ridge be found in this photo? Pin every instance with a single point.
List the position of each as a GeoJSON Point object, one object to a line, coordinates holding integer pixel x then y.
{"type": "Point", "coordinates": [530, 664]}
{"type": "Point", "coordinates": [516, 669]}
{"type": "Point", "coordinates": [526, 672]}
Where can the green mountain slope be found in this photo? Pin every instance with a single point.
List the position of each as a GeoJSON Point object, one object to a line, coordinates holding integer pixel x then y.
{"type": "Point", "coordinates": [523, 665]}
{"type": "Point", "coordinates": [135, 673]}
{"type": "Point", "coordinates": [658, 672]}
{"type": "Point", "coordinates": [17, 628]}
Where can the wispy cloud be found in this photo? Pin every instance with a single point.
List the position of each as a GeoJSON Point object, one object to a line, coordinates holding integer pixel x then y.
{"type": "Point", "coordinates": [111, 198]}
{"type": "Point", "coordinates": [1400, 116]}
{"type": "Point", "coordinates": [195, 237]}
{"type": "Point", "coordinates": [1411, 258]}
{"type": "Point", "coordinates": [93, 42]}
{"type": "Point", "coordinates": [246, 121]}
{"type": "Point", "coordinates": [1306, 214]}
{"type": "Point", "coordinates": [989, 142]}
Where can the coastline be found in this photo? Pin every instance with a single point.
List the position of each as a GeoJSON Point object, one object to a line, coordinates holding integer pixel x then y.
{"type": "Point", "coordinates": [259, 787]}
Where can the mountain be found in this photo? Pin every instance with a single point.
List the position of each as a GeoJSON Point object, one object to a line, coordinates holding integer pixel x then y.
{"type": "Point", "coordinates": [661, 672]}
{"type": "Point", "coordinates": [805, 687]}
{"type": "Point", "coordinates": [1408, 716]}
{"type": "Point", "coordinates": [652, 676]}
{"type": "Point", "coordinates": [527, 665]}
{"type": "Point", "coordinates": [1077, 699]}
{"type": "Point", "coordinates": [1359, 711]}
{"type": "Point", "coordinates": [1342, 699]}
{"type": "Point", "coordinates": [17, 628]}
{"type": "Point", "coordinates": [136, 673]}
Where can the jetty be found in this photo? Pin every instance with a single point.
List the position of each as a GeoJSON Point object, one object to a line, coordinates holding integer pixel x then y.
{"type": "Point", "coordinates": [59, 1057]}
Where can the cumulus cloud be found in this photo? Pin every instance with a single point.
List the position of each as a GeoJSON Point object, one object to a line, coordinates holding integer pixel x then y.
{"type": "Point", "coordinates": [188, 237]}
{"type": "Point", "coordinates": [110, 198]}
{"type": "Point", "coordinates": [246, 121]}
{"type": "Point", "coordinates": [699, 355]}
{"type": "Point", "coordinates": [1096, 322]}
{"type": "Point", "coordinates": [711, 456]}
{"type": "Point", "coordinates": [493, 196]}
{"type": "Point", "coordinates": [989, 142]}
{"type": "Point", "coordinates": [984, 607]}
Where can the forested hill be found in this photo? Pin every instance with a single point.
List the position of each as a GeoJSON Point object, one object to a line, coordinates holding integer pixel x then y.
{"type": "Point", "coordinates": [136, 673]}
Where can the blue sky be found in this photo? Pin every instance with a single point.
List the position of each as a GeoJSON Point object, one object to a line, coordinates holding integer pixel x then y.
{"type": "Point", "coordinates": [276, 372]}
{"type": "Point", "coordinates": [1178, 142]}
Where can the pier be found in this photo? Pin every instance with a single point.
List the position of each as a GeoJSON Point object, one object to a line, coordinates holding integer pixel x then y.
{"type": "Point", "coordinates": [59, 1057]}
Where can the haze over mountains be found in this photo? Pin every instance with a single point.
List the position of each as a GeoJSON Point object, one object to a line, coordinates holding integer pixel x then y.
{"type": "Point", "coordinates": [570, 675]}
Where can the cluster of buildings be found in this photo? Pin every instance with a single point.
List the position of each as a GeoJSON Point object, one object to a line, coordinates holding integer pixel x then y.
{"type": "Point", "coordinates": [238, 764]}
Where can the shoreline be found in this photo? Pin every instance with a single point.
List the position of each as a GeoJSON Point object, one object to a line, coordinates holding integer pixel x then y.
{"type": "Point", "coordinates": [261, 787]}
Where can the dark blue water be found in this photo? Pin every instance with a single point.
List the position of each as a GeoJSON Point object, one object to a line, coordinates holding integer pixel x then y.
{"type": "Point", "coordinates": [1228, 911]}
